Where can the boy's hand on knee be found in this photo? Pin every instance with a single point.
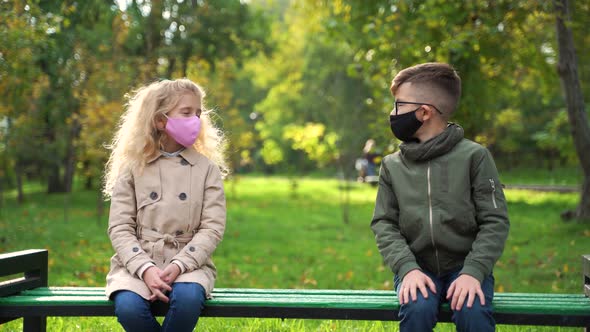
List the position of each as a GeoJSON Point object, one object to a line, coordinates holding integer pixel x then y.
{"type": "Point", "coordinates": [413, 281]}
{"type": "Point", "coordinates": [465, 286]}
{"type": "Point", "coordinates": [157, 286]}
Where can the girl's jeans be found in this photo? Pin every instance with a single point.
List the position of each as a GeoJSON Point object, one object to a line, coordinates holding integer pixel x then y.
{"type": "Point", "coordinates": [186, 302]}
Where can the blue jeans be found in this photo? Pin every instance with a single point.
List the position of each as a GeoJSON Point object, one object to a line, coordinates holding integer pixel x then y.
{"type": "Point", "coordinates": [187, 299]}
{"type": "Point", "coordinates": [422, 315]}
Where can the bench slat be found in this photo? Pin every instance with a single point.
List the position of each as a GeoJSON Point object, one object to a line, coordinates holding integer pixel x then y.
{"type": "Point", "coordinates": [99, 291]}
{"type": "Point", "coordinates": [248, 293]}
{"type": "Point", "coordinates": [570, 304]}
{"type": "Point", "coordinates": [39, 301]}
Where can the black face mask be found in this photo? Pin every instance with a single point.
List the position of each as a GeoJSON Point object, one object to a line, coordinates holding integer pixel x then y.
{"type": "Point", "coordinates": [404, 126]}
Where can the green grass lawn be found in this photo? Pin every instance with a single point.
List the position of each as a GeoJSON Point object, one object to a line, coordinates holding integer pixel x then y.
{"type": "Point", "coordinates": [280, 238]}
{"type": "Point", "coordinates": [559, 176]}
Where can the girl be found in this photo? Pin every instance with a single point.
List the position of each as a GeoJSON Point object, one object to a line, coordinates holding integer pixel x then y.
{"type": "Point", "coordinates": [164, 178]}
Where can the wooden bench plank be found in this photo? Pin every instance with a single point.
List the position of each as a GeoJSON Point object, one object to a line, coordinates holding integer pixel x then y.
{"type": "Point", "coordinates": [574, 304]}
{"type": "Point", "coordinates": [39, 301]}
{"type": "Point", "coordinates": [320, 304]}
{"type": "Point", "coordinates": [99, 291]}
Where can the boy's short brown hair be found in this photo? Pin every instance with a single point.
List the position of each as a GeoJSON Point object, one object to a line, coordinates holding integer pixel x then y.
{"type": "Point", "coordinates": [440, 77]}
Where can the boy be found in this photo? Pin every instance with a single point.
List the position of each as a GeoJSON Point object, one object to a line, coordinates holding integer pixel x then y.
{"type": "Point", "coordinates": [440, 218]}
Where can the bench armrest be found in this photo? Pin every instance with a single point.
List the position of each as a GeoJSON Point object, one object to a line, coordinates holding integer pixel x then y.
{"type": "Point", "coordinates": [27, 269]}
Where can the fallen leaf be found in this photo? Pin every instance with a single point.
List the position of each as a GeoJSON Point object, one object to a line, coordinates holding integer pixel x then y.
{"type": "Point", "coordinates": [349, 275]}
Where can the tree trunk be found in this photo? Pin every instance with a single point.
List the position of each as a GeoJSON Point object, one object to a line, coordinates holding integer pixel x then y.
{"type": "Point", "coordinates": [185, 56]}
{"type": "Point", "coordinates": [70, 161]}
{"type": "Point", "coordinates": [578, 119]}
{"type": "Point", "coordinates": [88, 183]}
{"type": "Point", "coordinates": [54, 182]}
{"type": "Point", "coordinates": [19, 183]}
{"type": "Point", "coordinates": [171, 68]}
{"type": "Point", "coordinates": [70, 166]}
{"type": "Point", "coordinates": [153, 38]}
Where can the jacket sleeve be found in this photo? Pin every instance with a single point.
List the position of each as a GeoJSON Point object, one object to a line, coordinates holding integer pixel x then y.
{"type": "Point", "coordinates": [123, 224]}
{"type": "Point", "coordinates": [491, 216]}
{"type": "Point", "coordinates": [385, 224]}
{"type": "Point", "coordinates": [212, 226]}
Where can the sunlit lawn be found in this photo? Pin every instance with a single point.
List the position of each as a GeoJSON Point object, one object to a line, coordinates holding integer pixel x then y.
{"type": "Point", "coordinates": [278, 237]}
{"type": "Point", "coordinates": [559, 176]}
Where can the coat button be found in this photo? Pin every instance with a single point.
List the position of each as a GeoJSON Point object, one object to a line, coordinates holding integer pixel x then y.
{"type": "Point", "coordinates": [135, 249]}
{"type": "Point", "coordinates": [182, 196]}
{"type": "Point", "coordinates": [192, 249]}
{"type": "Point", "coordinates": [183, 162]}
{"type": "Point", "coordinates": [179, 233]}
{"type": "Point", "coordinates": [154, 195]}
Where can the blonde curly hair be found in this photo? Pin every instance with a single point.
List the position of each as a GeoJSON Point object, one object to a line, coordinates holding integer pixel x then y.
{"type": "Point", "coordinates": [137, 139]}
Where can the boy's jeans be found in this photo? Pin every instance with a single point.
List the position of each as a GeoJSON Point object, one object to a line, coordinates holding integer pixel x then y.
{"type": "Point", "coordinates": [421, 315]}
{"type": "Point", "coordinates": [186, 302]}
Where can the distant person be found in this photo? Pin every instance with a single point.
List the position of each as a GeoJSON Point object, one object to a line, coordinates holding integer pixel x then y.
{"type": "Point", "coordinates": [372, 158]}
{"type": "Point", "coordinates": [164, 178]}
{"type": "Point", "coordinates": [440, 218]}
{"type": "Point", "coordinates": [362, 163]}
{"type": "Point", "coordinates": [369, 154]}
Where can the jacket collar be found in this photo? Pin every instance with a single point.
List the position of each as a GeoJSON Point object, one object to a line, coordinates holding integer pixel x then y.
{"type": "Point", "coordinates": [189, 154]}
{"type": "Point", "coordinates": [434, 147]}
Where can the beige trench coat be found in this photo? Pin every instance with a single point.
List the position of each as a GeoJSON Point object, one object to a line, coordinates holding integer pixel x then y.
{"type": "Point", "coordinates": [173, 210]}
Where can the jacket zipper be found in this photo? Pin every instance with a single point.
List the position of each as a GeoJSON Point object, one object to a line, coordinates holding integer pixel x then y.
{"type": "Point", "coordinates": [431, 220]}
{"type": "Point", "coordinates": [493, 184]}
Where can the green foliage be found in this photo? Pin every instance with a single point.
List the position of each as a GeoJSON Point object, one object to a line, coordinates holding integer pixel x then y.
{"type": "Point", "coordinates": [507, 130]}
{"type": "Point", "coordinates": [271, 68]}
{"type": "Point", "coordinates": [555, 138]}
{"type": "Point", "coordinates": [271, 153]}
{"type": "Point", "coordinates": [308, 83]}
{"type": "Point", "coordinates": [505, 52]}
{"type": "Point", "coordinates": [313, 140]}
{"type": "Point", "coordinates": [67, 65]}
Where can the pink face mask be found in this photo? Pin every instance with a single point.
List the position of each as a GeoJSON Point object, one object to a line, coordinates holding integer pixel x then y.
{"type": "Point", "coordinates": [184, 130]}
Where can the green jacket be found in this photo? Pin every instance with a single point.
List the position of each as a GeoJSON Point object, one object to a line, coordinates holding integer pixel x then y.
{"type": "Point", "coordinates": [440, 207]}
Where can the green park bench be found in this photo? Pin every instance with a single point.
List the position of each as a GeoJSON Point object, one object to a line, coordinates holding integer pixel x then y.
{"type": "Point", "coordinates": [26, 294]}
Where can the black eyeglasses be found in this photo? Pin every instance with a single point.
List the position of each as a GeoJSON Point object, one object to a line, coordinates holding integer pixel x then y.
{"type": "Point", "coordinates": [397, 103]}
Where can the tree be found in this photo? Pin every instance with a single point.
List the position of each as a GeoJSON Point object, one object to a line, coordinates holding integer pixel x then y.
{"type": "Point", "coordinates": [65, 66]}
{"type": "Point", "coordinates": [21, 82]}
{"type": "Point", "coordinates": [578, 118]}
{"type": "Point", "coordinates": [315, 113]}
{"type": "Point", "coordinates": [504, 51]}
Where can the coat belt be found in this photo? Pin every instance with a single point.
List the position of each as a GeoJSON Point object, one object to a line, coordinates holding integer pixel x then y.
{"type": "Point", "coordinates": [161, 240]}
